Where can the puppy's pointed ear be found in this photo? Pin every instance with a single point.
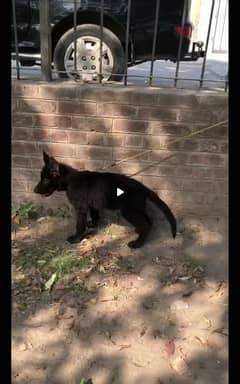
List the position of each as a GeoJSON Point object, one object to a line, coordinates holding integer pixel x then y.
{"type": "Point", "coordinates": [46, 158]}
{"type": "Point", "coordinates": [54, 167]}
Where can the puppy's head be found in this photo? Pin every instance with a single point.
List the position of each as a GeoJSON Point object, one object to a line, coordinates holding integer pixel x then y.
{"type": "Point", "coordinates": [49, 178]}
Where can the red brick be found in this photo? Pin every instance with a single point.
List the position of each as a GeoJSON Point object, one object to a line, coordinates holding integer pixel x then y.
{"type": "Point", "coordinates": [134, 126]}
{"type": "Point", "coordinates": [140, 97]}
{"type": "Point", "coordinates": [50, 135]}
{"type": "Point", "coordinates": [193, 197]}
{"type": "Point", "coordinates": [94, 138]}
{"type": "Point", "coordinates": [24, 148]}
{"type": "Point", "coordinates": [161, 142]}
{"type": "Point", "coordinates": [158, 113]}
{"type": "Point", "coordinates": [194, 172]}
{"type": "Point", "coordinates": [162, 182]}
{"type": "Point", "coordinates": [18, 186]}
{"type": "Point", "coordinates": [22, 134]}
{"type": "Point", "coordinates": [198, 186]}
{"type": "Point", "coordinates": [216, 132]}
{"type": "Point", "coordinates": [100, 153]}
{"type": "Point", "coordinates": [165, 170]}
{"type": "Point", "coordinates": [168, 157]}
{"type": "Point", "coordinates": [37, 162]}
{"type": "Point", "coordinates": [216, 200]}
{"type": "Point", "coordinates": [13, 104]}
{"type": "Point", "coordinates": [130, 167]}
{"type": "Point", "coordinates": [182, 198]}
{"type": "Point", "coordinates": [209, 145]}
{"type": "Point", "coordinates": [55, 91]}
{"type": "Point", "coordinates": [221, 186]}
{"type": "Point", "coordinates": [166, 128]}
{"type": "Point", "coordinates": [207, 115]}
{"type": "Point", "coordinates": [133, 141]}
{"type": "Point", "coordinates": [35, 134]}
{"type": "Point", "coordinates": [205, 173]}
{"type": "Point", "coordinates": [113, 110]}
{"type": "Point", "coordinates": [21, 162]}
{"type": "Point", "coordinates": [94, 153]}
{"type": "Point", "coordinates": [76, 108]}
{"type": "Point", "coordinates": [94, 165]}
{"type": "Point", "coordinates": [23, 175]}
{"type": "Point", "coordinates": [22, 120]}
{"type": "Point", "coordinates": [224, 147]}
{"type": "Point", "coordinates": [47, 120]}
{"type": "Point", "coordinates": [221, 173]}
{"type": "Point", "coordinates": [75, 163]}
{"type": "Point", "coordinates": [36, 106]}
{"type": "Point", "coordinates": [92, 124]}
{"type": "Point", "coordinates": [56, 136]}
{"type": "Point", "coordinates": [122, 153]}
{"type": "Point", "coordinates": [114, 140]}
{"type": "Point", "coordinates": [190, 145]}
{"type": "Point", "coordinates": [76, 137]}
{"type": "Point", "coordinates": [25, 90]}
{"type": "Point", "coordinates": [57, 149]}
{"type": "Point", "coordinates": [210, 159]}
{"type": "Point", "coordinates": [95, 93]}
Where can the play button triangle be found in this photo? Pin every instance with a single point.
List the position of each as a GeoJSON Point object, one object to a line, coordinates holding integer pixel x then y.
{"type": "Point", "coordinates": [119, 192]}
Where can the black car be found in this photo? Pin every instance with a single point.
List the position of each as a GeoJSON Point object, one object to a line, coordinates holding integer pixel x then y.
{"type": "Point", "coordinates": [141, 32]}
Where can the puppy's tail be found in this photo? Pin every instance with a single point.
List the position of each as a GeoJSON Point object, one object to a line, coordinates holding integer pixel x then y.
{"type": "Point", "coordinates": [136, 186]}
{"type": "Point", "coordinates": [166, 210]}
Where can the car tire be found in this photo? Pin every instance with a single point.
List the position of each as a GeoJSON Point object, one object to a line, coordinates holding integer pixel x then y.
{"type": "Point", "coordinates": [63, 53]}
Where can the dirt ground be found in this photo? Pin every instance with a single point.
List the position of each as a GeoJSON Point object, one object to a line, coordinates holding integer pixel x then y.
{"type": "Point", "coordinates": [98, 310]}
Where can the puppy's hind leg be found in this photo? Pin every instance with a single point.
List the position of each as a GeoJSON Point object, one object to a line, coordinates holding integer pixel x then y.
{"type": "Point", "coordinates": [141, 222]}
{"type": "Point", "coordinates": [94, 213]}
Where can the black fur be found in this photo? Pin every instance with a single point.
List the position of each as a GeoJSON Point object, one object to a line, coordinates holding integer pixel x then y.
{"type": "Point", "coordinates": [89, 192]}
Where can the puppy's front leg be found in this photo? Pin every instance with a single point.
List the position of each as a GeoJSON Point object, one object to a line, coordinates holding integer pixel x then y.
{"type": "Point", "coordinates": [80, 227]}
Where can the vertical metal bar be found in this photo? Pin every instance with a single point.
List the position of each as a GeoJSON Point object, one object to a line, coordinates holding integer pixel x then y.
{"type": "Point", "coordinates": [217, 16]}
{"type": "Point", "coordinates": [101, 40]}
{"type": "Point", "coordinates": [180, 43]}
{"type": "Point", "coordinates": [226, 83]}
{"type": "Point", "coordinates": [15, 37]}
{"type": "Point", "coordinates": [45, 41]}
{"type": "Point", "coordinates": [75, 36]}
{"type": "Point", "coordinates": [154, 40]}
{"type": "Point", "coordinates": [207, 41]}
{"type": "Point", "coordinates": [127, 39]}
{"type": "Point", "coordinates": [223, 27]}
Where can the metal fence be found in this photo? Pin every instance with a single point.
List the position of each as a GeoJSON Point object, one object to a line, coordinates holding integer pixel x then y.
{"type": "Point", "coordinates": [49, 72]}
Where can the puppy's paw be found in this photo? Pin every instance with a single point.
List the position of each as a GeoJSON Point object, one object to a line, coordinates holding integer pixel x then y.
{"type": "Point", "coordinates": [74, 239]}
{"type": "Point", "coordinates": [92, 224]}
{"type": "Point", "coordinates": [134, 244]}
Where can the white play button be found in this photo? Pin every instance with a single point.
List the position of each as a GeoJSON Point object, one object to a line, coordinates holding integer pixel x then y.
{"type": "Point", "coordinates": [119, 192]}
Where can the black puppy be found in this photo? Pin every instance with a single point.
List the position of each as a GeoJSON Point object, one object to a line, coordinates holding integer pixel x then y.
{"type": "Point", "coordinates": [91, 191]}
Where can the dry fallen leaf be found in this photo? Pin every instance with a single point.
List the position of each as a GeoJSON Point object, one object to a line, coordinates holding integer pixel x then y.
{"type": "Point", "coordinates": [169, 347]}
{"type": "Point", "coordinates": [222, 331]}
{"type": "Point", "coordinates": [208, 321]}
{"type": "Point", "coordinates": [180, 366]}
{"type": "Point", "coordinates": [51, 281]}
{"type": "Point", "coordinates": [201, 341]}
{"type": "Point", "coordinates": [184, 278]}
{"type": "Point", "coordinates": [123, 346]}
{"type": "Point", "coordinates": [143, 331]}
{"type": "Point", "coordinates": [101, 268]}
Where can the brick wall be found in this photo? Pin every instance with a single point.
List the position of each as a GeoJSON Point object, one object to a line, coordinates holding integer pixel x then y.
{"type": "Point", "coordinates": [90, 126]}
